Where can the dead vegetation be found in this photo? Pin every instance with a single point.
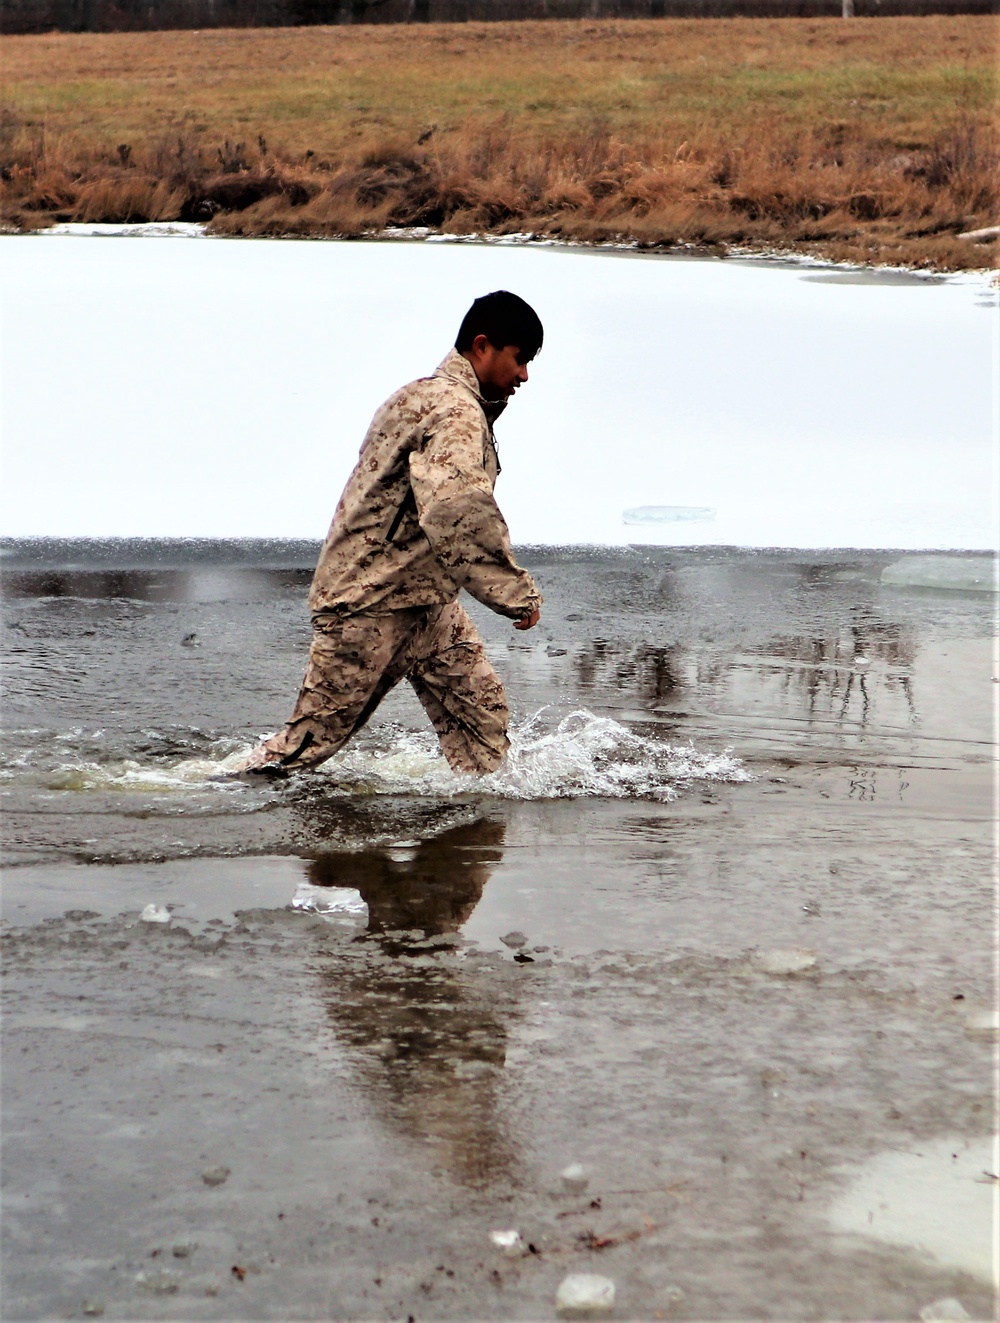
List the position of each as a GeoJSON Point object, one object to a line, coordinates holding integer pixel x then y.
{"type": "Point", "coordinates": [842, 200]}
{"type": "Point", "coordinates": [849, 189]}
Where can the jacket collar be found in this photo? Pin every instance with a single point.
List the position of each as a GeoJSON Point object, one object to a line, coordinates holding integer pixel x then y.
{"type": "Point", "coordinates": [458, 367]}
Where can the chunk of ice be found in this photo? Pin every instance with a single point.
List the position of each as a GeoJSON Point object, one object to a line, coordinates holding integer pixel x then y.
{"type": "Point", "coordinates": [510, 1242]}
{"type": "Point", "coordinates": [328, 900]}
{"type": "Point", "coordinates": [155, 914]}
{"type": "Point", "coordinates": [668, 514]}
{"type": "Point", "coordinates": [163, 1282]}
{"type": "Point", "coordinates": [583, 1293]}
{"type": "Point", "coordinates": [574, 1178]}
{"type": "Point", "coordinates": [791, 960]}
{"type": "Point", "coordinates": [980, 1022]}
{"type": "Point", "coordinates": [514, 940]}
{"type": "Point", "coordinates": [941, 1311]}
{"type": "Point", "coordinates": [935, 1197]}
{"type": "Point", "coordinates": [971, 574]}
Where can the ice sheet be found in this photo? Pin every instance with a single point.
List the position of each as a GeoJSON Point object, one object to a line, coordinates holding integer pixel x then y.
{"type": "Point", "coordinates": [222, 388]}
{"type": "Point", "coordinates": [667, 514]}
{"type": "Point", "coordinates": [960, 573]}
{"type": "Point", "coordinates": [939, 1197]}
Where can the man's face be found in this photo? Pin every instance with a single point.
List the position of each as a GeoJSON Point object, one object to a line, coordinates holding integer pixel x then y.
{"type": "Point", "coordinates": [500, 371]}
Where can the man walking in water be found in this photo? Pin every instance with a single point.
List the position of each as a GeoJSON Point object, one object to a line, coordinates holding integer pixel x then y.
{"type": "Point", "coordinates": [417, 522]}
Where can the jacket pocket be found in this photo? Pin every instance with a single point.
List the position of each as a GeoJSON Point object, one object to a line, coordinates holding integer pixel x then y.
{"type": "Point", "coordinates": [407, 503]}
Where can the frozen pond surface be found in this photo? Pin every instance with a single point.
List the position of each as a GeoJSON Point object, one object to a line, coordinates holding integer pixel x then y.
{"type": "Point", "coordinates": [756, 1012]}
{"type": "Point", "coordinates": [217, 388]}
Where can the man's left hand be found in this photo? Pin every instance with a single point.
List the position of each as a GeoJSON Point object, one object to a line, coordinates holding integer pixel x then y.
{"type": "Point", "coordinates": [529, 622]}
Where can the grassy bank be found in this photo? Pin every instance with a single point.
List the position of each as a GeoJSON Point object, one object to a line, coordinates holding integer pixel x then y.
{"type": "Point", "coordinates": [871, 140]}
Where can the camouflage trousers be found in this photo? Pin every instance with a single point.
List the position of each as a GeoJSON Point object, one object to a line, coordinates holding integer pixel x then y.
{"type": "Point", "coordinates": [355, 660]}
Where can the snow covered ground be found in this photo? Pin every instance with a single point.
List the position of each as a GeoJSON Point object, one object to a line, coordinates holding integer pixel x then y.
{"type": "Point", "coordinates": [222, 388]}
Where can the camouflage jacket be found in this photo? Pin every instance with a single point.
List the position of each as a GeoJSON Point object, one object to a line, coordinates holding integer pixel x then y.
{"type": "Point", "coordinates": [417, 521]}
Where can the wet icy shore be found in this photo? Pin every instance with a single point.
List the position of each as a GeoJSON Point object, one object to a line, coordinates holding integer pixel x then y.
{"type": "Point", "coordinates": [755, 1010]}
{"type": "Point", "coordinates": [277, 1119]}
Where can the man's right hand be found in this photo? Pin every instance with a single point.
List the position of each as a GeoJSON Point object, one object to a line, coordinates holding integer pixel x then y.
{"type": "Point", "coordinates": [529, 622]}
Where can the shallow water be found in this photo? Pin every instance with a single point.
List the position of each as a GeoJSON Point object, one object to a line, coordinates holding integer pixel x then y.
{"type": "Point", "coordinates": [129, 687]}
{"type": "Point", "coordinates": [717, 934]}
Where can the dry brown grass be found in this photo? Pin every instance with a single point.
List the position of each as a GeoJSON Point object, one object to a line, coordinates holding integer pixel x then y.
{"type": "Point", "coordinates": [874, 140]}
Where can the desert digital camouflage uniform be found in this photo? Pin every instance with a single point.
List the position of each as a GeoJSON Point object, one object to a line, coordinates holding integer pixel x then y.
{"type": "Point", "coordinates": [417, 522]}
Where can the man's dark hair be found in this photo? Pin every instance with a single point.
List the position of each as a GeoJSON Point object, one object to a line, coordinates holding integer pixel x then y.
{"type": "Point", "coordinates": [505, 319]}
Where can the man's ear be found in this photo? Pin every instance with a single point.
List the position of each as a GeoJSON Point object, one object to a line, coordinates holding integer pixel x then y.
{"type": "Point", "coordinates": [480, 343]}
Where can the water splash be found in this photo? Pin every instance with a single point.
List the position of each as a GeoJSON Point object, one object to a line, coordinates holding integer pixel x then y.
{"type": "Point", "coordinates": [131, 777]}
{"type": "Point", "coordinates": [581, 755]}
{"type": "Point", "coordinates": [84, 761]}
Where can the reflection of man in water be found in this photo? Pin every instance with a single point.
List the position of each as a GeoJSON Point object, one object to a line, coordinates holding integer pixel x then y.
{"type": "Point", "coordinates": [416, 523]}
{"type": "Point", "coordinates": [429, 1045]}
{"type": "Point", "coordinates": [432, 886]}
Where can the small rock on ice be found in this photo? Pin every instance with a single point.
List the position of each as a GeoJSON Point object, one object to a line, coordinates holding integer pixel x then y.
{"type": "Point", "coordinates": [510, 1242]}
{"type": "Point", "coordinates": [583, 1293]}
{"type": "Point", "coordinates": [574, 1178]}
{"type": "Point", "coordinates": [942, 1310]}
{"type": "Point", "coordinates": [215, 1175]}
{"type": "Point", "coordinates": [514, 940]}
{"type": "Point", "coordinates": [789, 960]}
{"type": "Point", "coordinates": [155, 914]}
